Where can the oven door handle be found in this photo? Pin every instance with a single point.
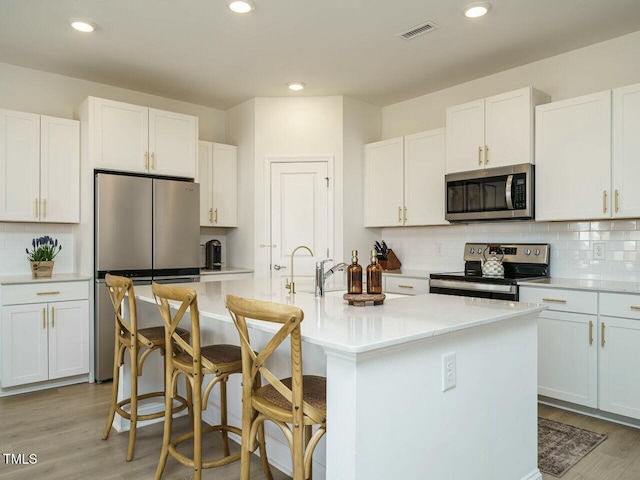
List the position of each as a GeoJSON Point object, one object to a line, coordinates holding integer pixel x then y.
{"type": "Point", "coordinates": [508, 189]}
{"type": "Point", "coordinates": [473, 286]}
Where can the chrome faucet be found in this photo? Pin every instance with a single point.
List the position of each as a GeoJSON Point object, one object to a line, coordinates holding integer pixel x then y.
{"type": "Point", "coordinates": [290, 285]}
{"type": "Point", "coordinates": [321, 275]}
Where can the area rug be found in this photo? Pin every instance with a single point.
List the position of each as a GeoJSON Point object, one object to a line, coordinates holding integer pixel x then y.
{"type": "Point", "coordinates": [561, 446]}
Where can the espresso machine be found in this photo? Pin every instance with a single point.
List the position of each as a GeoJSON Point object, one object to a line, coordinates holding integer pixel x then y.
{"type": "Point", "coordinates": [213, 255]}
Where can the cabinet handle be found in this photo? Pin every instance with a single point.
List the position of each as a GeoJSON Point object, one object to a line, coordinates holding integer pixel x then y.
{"type": "Point", "coordinates": [634, 307]}
{"type": "Point", "coordinates": [36, 208]}
{"type": "Point", "coordinates": [554, 300]}
{"type": "Point", "coordinates": [53, 317]}
{"type": "Point", "coordinates": [399, 214]}
{"type": "Point", "coordinates": [604, 201]}
{"type": "Point", "coordinates": [602, 334]}
{"type": "Point", "coordinates": [486, 154]}
{"type": "Point", "coordinates": [44, 208]}
{"type": "Point", "coordinates": [405, 214]}
{"type": "Point", "coordinates": [617, 200]}
{"type": "Point", "coordinates": [146, 160]}
{"type": "Point", "coordinates": [405, 286]}
{"type": "Point", "coordinates": [215, 216]}
{"type": "Point", "coordinates": [44, 318]}
{"type": "Point", "coordinates": [153, 160]}
{"type": "Point", "coordinates": [590, 332]}
{"type": "Point", "coordinates": [47, 293]}
{"type": "Point", "coordinates": [479, 155]}
{"type": "Point", "coordinates": [211, 215]}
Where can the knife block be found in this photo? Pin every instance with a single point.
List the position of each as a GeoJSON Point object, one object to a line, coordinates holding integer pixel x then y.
{"type": "Point", "coordinates": [391, 263]}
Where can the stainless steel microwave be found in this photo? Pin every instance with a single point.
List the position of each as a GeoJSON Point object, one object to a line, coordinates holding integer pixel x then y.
{"type": "Point", "coordinates": [503, 193]}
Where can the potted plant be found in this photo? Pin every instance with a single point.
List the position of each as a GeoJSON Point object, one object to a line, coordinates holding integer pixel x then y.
{"type": "Point", "coordinates": [43, 251]}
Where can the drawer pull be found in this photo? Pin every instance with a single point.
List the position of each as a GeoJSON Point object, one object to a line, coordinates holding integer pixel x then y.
{"type": "Point", "coordinates": [48, 293]}
{"type": "Point", "coordinates": [634, 307]}
{"type": "Point", "coordinates": [405, 286]}
{"type": "Point", "coordinates": [602, 334]}
{"type": "Point", "coordinates": [554, 300]}
{"type": "Point", "coordinates": [590, 332]}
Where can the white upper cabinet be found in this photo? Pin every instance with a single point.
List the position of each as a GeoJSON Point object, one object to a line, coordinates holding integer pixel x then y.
{"type": "Point", "coordinates": [218, 178]}
{"type": "Point", "coordinates": [133, 138]}
{"type": "Point", "coordinates": [383, 183]}
{"type": "Point", "coordinates": [573, 158]}
{"type": "Point", "coordinates": [404, 180]}
{"type": "Point", "coordinates": [492, 132]}
{"type": "Point", "coordinates": [626, 151]}
{"type": "Point", "coordinates": [424, 178]}
{"type": "Point", "coordinates": [39, 168]}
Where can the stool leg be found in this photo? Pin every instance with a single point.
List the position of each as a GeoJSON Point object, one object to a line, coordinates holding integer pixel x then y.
{"type": "Point", "coordinates": [168, 417]}
{"type": "Point", "coordinates": [134, 401]}
{"type": "Point", "coordinates": [266, 468]}
{"type": "Point", "coordinates": [197, 426]}
{"type": "Point", "coordinates": [114, 393]}
{"type": "Point", "coordinates": [189, 400]}
{"type": "Point", "coordinates": [307, 437]}
{"type": "Point", "coordinates": [223, 416]}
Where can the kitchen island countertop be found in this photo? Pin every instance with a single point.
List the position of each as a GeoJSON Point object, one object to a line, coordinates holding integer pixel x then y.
{"type": "Point", "coordinates": [613, 286]}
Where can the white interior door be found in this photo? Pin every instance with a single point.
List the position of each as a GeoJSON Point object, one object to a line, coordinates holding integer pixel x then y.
{"type": "Point", "coordinates": [299, 216]}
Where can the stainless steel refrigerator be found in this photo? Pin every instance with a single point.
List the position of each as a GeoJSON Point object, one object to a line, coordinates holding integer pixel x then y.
{"type": "Point", "coordinates": [145, 228]}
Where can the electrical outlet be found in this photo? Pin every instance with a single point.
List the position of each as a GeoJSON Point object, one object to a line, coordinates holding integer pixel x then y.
{"type": "Point", "coordinates": [448, 371]}
{"type": "Point", "coordinates": [598, 250]}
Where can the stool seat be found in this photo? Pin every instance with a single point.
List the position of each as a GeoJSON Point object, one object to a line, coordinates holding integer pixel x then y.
{"type": "Point", "coordinates": [222, 358]}
{"type": "Point", "coordinates": [314, 393]}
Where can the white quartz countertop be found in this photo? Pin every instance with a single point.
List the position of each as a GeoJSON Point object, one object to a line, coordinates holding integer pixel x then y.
{"type": "Point", "coordinates": [61, 277]}
{"type": "Point", "coordinates": [331, 323]}
{"type": "Point", "coordinates": [614, 286]}
{"type": "Point", "coordinates": [225, 271]}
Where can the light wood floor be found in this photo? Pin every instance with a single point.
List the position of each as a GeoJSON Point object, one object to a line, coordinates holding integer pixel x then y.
{"type": "Point", "coordinates": [63, 427]}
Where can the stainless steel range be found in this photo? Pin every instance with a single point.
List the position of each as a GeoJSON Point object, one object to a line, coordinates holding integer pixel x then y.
{"type": "Point", "coordinates": [520, 261]}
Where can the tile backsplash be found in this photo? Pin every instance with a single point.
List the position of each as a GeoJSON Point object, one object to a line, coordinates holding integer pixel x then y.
{"type": "Point", "coordinates": [15, 237]}
{"type": "Point", "coordinates": [440, 248]}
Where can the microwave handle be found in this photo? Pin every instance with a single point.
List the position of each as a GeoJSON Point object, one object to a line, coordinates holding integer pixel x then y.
{"type": "Point", "coordinates": [508, 189]}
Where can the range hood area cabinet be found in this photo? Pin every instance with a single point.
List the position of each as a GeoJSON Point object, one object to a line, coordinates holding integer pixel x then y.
{"type": "Point", "coordinates": [218, 179]}
{"type": "Point", "coordinates": [587, 151]}
{"type": "Point", "coordinates": [404, 180]}
{"type": "Point", "coordinates": [39, 168]}
{"type": "Point", "coordinates": [138, 139]}
{"type": "Point", "coordinates": [492, 132]}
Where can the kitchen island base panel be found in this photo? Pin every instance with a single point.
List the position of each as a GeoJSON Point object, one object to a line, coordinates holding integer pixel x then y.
{"type": "Point", "coordinates": [485, 427]}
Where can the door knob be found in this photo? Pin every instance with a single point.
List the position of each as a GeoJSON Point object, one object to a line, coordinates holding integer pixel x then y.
{"type": "Point", "coordinates": [278, 267]}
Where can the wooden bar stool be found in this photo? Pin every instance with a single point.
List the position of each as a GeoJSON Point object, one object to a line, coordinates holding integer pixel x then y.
{"type": "Point", "coordinates": [299, 401]}
{"type": "Point", "coordinates": [195, 361]}
{"type": "Point", "coordinates": [145, 340]}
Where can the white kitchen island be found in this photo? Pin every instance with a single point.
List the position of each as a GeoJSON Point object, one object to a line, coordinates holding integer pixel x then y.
{"type": "Point", "coordinates": [387, 414]}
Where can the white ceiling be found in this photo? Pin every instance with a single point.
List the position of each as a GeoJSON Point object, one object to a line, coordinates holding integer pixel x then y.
{"type": "Point", "coordinates": [200, 52]}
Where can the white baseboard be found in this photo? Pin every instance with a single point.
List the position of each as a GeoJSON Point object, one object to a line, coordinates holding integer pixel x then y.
{"type": "Point", "coordinates": [34, 387]}
{"type": "Point", "coordinates": [535, 475]}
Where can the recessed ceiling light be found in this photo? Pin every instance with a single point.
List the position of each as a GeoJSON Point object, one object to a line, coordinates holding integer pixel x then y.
{"type": "Point", "coordinates": [241, 6]}
{"type": "Point", "coordinates": [82, 25]}
{"type": "Point", "coordinates": [295, 86]}
{"type": "Point", "coordinates": [475, 10]}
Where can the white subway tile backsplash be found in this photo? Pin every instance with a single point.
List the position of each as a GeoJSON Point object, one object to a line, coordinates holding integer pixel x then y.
{"type": "Point", "coordinates": [571, 245]}
{"type": "Point", "coordinates": [16, 237]}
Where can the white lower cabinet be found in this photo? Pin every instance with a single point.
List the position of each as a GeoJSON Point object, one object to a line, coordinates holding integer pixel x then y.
{"type": "Point", "coordinates": [47, 340]}
{"type": "Point", "coordinates": [567, 348]}
{"type": "Point", "coordinates": [619, 370]}
{"type": "Point", "coordinates": [405, 285]}
{"type": "Point", "coordinates": [589, 348]}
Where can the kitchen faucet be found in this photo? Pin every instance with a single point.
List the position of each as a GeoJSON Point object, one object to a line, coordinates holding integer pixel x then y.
{"type": "Point", "coordinates": [321, 275]}
{"type": "Point", "coordinates": [290, 285]}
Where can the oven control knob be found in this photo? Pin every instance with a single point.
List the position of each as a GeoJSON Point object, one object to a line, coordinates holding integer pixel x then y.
{"type": "Point", "coordinates": [527, 252]}
{"type": "Point", "coordinates": [471, 251]}
{"type": "Point", "coordinates": [536, 251]}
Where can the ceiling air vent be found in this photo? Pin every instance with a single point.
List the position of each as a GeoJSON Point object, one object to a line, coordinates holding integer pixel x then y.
{"type": "Point", "coordinates": [418, 30]}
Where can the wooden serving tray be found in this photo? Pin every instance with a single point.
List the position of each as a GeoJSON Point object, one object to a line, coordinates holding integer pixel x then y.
{"type": "Point", "coordinates": [360, 299]}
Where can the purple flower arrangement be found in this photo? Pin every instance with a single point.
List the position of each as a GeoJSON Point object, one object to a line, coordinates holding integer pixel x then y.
{"type": "Point", "coordinates": [44, 249]}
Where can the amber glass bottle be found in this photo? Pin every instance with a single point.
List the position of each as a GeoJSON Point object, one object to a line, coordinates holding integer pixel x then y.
{"type": "Point", "coordinates": [374, 275]}
{"type": "Point", "coordinates": [354, 274]}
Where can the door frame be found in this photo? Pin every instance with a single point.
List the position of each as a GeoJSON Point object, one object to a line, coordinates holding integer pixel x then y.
{"type": "Point", "coordinates": [266, 234]}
